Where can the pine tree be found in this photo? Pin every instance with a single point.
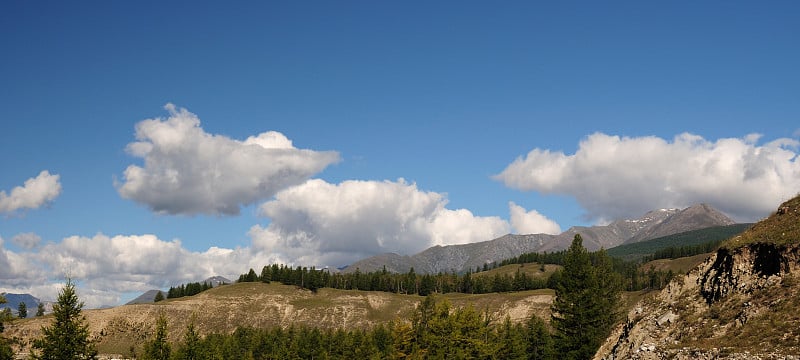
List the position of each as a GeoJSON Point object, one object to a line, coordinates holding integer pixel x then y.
{"type": "Point", "coordinates": [584, 305]}
{"type": "Point", "coordinates": [5, 315]}
{"type": "Point", "coordinates": [540, 343]}
{"type": "Point", "coordinates": [608, 295]}
{"type": "Point", "coordinates": [5, 350]}
{"type": "Point", "coordinates": [510, 341]}
{"type": "Point", "coordinates": [191, 348]}
{"type": "Point", "coordinates": [40, 309]}
{"type": "Point", "coordinates": [159, 297]}
{"type": "Point", "coordinates": [2, 317]}
{"type": "Point", "coordinates": [67, 337]}
{"type": "Point", "coordinates": [426, 285]}
{"type": "Point", "coordinates": [158, 348]}
{"type": "Point", "coordinates": [22, 310]}
{"type": "Point", "coordinates": [266, 275]}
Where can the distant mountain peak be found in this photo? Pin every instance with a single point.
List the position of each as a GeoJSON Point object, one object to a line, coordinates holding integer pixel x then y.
{"type": "Point", "coordinates": [146, 298]}
{"type": "Point", "coordinates": [217, 280]}
{"type": "Point", "coordinates": [653, 224]}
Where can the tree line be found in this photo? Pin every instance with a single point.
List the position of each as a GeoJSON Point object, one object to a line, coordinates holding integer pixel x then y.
{"type": "Point", "coordinates": [407, 283]}
{"type": "Point", "coordinates": [674, 252]}
{"type": "Point", "coordinates": [189, 289]}
{"type": "Point", "coordinates": [436, 330]}
{"type": "Point", "coordinates": [633, 277]}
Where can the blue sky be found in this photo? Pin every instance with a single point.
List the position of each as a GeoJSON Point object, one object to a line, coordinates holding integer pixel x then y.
{"type": "Point", "coordinates": [445, 96]}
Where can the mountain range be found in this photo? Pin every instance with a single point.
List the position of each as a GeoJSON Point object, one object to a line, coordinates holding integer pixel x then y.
{"type": "Point", "coordinates": [13, 300]}
{"type": "Point", "coordinates": [461, 258]}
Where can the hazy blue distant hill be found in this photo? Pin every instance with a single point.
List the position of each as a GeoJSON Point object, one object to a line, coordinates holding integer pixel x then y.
{"type": "Point", "coordinates": [13, 301]}
{"type": "Point", "coordinates": [145, 298]}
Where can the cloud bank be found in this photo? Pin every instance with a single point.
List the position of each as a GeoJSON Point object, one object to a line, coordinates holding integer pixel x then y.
{"type": "Point", "coordinates": [335, 224]}
{"type": "Point", "coordinates": [615, 177]}
{"type": "Point", "coordinates": [188, 171]}
{"type": "Point", "coordinates": [36, 192]}
{"type": "Point", "coordinates": [106, 267]}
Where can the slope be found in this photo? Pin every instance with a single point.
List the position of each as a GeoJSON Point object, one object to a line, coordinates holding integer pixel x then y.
{"type": "Point", "coordinates": [633, 251]}
{"type": "Point", "coordinates": [740, 302]}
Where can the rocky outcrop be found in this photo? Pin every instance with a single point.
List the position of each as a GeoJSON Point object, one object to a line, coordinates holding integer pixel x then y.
{"type": "Point", "coordinates": [707, 313]}
{"type": "Point", "coordinates": [747, 269]}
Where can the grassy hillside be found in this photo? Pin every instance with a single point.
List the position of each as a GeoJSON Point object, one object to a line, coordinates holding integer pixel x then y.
{"type": "Point", "coordinates": [690, 238]}
{"type": "Point", "coordinates": [259, 305]}
{"type": "Point", "coordinates": [533, 270]}
{"type": "Point", "coordinates": [781, 228]}
{"type": "Point", "coordinates": [678, 266]}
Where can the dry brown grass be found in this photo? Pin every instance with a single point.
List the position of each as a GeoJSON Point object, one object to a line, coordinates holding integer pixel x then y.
{"type": "Point", "coordinates": [223, 309]}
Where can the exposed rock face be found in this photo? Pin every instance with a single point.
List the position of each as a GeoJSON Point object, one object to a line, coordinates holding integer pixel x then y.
{"type": "Point", "coordinates": [747, 269]}
{"type": "Point", "coordinates": [692, 218]}
{"type": "Point", "coordinates": [465, 257]}
{"type": "Point", "coordinates": [740, 303]}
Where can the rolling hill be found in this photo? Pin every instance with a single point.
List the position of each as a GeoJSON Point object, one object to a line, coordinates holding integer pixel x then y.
{"type": "Point", "coordinates": [223, 309]}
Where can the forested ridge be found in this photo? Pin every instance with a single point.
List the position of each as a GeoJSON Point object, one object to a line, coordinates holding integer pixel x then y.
{"type": "Point", "coordinates": [683, 244]}
{"type": "Point", "coordinates": [633, 277]}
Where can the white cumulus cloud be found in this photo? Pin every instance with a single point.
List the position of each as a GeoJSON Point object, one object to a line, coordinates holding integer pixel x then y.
{"type": "Point", "coordinates": [17, 269]}
{"type": "Point", "coordinates": [188, 171]}
{"type": "Point", "coordinates": [36, 192]}
{"type": "Point", "coordinates": [318, 223]}
{"type": "Point", "coordinates": [531, 222]}
{"type": "Point", "coordinates": [616, 177]}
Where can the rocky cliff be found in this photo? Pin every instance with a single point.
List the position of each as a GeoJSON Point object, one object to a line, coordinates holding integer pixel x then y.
{"type": "Point", "coordinates": [740, 303]}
